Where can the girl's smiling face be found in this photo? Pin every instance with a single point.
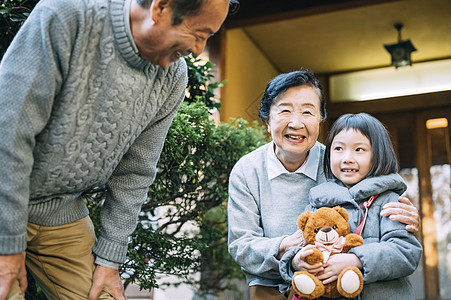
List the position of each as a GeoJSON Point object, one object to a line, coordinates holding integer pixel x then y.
{"type": "Point", "coordinates": [351, 156]}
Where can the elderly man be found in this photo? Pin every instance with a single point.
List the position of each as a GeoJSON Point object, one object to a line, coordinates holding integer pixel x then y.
{"type": "Point", "coordinates": [88, 90]}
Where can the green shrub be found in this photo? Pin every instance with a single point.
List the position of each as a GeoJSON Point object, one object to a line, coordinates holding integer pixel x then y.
{"type": "Point", "coordinates": [188, 200]}
{"type": "Point", "coordinates": [201, 87]}
{"type": "Point", "coordinates": [12, 15]}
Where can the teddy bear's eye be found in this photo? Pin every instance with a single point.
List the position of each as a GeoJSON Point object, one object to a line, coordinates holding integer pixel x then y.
{"type": "Point", "coordinates": [335, 227]}
{"type": "Point", "coordinates": [316, 230]}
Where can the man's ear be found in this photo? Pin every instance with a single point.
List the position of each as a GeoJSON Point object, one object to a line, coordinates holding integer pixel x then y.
{"type": "Point", "coordinates": [160, 8]}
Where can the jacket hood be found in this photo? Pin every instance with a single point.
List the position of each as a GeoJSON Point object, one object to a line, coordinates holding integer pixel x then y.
{"type": "Point", "coordinates": [334, 193]}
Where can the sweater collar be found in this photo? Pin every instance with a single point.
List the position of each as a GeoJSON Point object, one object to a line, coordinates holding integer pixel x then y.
{"type": "Point", "coordinates": [309, 168]}
{"type": "Point", "coordinates": [120, 18]}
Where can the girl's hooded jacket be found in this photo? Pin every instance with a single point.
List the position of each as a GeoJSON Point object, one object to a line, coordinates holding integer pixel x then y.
{"type": "Point", "coordinates": [389, 252]}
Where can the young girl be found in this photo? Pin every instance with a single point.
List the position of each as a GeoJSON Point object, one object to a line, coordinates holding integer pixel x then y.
{"type": "Point", "coordinates": [361, 162]}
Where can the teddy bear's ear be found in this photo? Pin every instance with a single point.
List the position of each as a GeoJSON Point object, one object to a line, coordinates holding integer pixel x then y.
{"type": "Point", "coordinates": [303, 218]}
{"type": "Point", "coordinates": [342, 212]}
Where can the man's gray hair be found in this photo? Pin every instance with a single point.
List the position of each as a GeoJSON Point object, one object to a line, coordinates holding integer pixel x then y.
{"type": "Point", "coordinates": [186, 8]}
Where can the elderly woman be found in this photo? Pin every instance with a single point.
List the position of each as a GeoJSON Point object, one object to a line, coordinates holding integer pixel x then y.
{"type": "Point", "coordinates": [269, 187]}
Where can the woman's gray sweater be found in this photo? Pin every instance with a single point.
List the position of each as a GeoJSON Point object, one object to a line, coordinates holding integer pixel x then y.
{"type": "Point", "coordinates": [80, 109]}
{"type": "Point", "coordinates": [262, 211]}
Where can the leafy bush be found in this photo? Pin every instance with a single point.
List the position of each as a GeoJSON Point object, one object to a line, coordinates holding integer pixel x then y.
{"type": "Point", "coordinates": [12, 15]}
{"type": "Point", "coordinates": [185, 214]}
{"type": "Point", "coordinates": [200, 85]}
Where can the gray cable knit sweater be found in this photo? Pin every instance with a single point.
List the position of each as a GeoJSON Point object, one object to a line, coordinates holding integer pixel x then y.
{"type": "Point", "coordinates": [80, 109]}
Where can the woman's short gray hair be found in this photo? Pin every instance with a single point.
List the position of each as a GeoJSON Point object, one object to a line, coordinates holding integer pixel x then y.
{"type": "Point", "coordinates": [281, 83]}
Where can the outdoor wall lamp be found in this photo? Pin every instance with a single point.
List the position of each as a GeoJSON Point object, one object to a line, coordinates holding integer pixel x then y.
{"type": "Point", "coordinates": [400, 52]}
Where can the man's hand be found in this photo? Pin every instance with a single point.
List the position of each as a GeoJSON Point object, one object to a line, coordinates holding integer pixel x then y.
{"type": "Point", "coordinates": [294, 240]}
{"type": "Point", "coordinates": [108, 280]}
{"type": "Point", "coordinates": [12, 268]}
{"type": "Point", "coordinates": [404, 212]}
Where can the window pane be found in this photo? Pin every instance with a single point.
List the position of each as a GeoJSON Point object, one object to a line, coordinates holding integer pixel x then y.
{"type": "Point", "coordinates": [440, 177]}
{"type": "Point", "coordinates": [411, 178]}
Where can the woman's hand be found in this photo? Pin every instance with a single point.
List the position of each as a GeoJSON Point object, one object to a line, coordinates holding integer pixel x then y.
{"type": "Point", "coordinates": [336, 264]}
{"type": "Point", "coordinates": [404, 212]}
{"type": "Point", "coordinates": [292, 241]}
{"type": "Point", "coordinates": [298, 263]}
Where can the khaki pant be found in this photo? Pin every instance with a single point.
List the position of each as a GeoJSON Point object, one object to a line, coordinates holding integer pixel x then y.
{"type": "Point", "coordinates": [60, 259]}
{"type": "Point", "coordinates": [258, 292]}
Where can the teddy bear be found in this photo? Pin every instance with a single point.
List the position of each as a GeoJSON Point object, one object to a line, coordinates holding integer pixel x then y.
{"type": "Point", "coordinates": [327, 230]}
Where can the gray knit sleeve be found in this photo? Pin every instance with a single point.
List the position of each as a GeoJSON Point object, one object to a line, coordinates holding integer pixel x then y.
{"type": "Point", "coordinates": [285, 267]}
{"type": "Point", "coordinates": [31, 74]}
{"type": "Point", "coordinates": [128, 186]}
{"type": "Point", "coordinates": [254, 252]}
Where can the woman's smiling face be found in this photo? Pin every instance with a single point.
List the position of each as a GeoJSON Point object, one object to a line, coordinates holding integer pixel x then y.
{"type": "Point", "coordinates": [293, 123]}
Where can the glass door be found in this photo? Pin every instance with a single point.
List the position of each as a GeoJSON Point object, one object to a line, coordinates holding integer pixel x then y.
{"type": "Point", "coordinates": [434, 171]}
{"type": "Point", "coordinates": [422, 141]}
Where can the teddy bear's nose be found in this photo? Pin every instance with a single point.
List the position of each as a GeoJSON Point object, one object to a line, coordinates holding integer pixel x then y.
{"type": "Point", "coordinates": [326, 229]}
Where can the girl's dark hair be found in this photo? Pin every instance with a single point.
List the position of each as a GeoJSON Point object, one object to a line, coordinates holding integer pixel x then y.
{"type": "Point", "coordinates": [281, 83]}
{"type": "Point", "coordinates": [384, 157]}
{"type": "Point", "coordinates": [186, 8]}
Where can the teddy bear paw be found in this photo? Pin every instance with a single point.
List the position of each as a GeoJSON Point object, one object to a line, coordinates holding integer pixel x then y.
{"type": "Point", "coordinates": [350, 282]}
{"type": "Point", "coordinates": [307, 285]}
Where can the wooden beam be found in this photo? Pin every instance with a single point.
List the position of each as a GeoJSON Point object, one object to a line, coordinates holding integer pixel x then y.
{"type": "Point", "coordinates": [253, 12]}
